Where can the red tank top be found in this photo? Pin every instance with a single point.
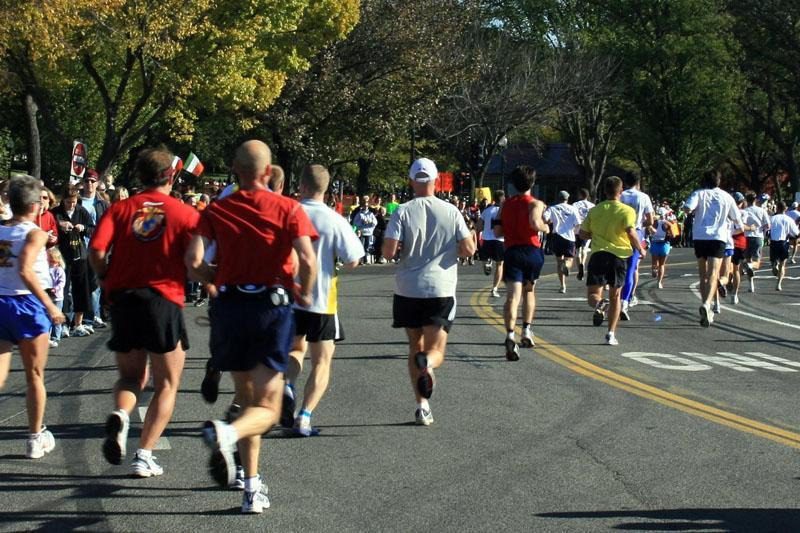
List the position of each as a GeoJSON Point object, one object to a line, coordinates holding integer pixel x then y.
{"type": "Point", "coordinates": [517, 230]}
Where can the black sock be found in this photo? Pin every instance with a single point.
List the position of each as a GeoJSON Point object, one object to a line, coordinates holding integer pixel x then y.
{"type": "Point", "coordinates": [526, 325]}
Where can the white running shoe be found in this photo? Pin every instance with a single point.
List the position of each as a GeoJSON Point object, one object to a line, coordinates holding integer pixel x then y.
{"type": "Point", "coordinates": [53, 343]}
{"type": "Point", "coordinates": [624, 314]}
{"type": "Point", "coordinates": [495, 293]}
{"type": "Point", "coordinates": [141, 467]}
{"type": "Point", "coordinates": [89, 328]}
{"type": "Point", "coordinates": [717, 308]}
{"type": "Point", "coordinates": [40, 444]}
{"type": "Point", "coordinates": [65, 332]}
{"type": "Point", "coordinates": [611, 339]}
{"type": "Point", "coordinates": [706, 316]}
{"type": "Point", "coordinates": [562, 290]}
{"type": "Point", "coordinates": [98, 323]}
{"type": "Point", "coordinates": [221, 438]}
{"type": "Point", "coordinates": [115, 445]}
{"type": "Point", "coordinates": [634, 301]}
{"type": "Point", "coordinates": [660, 285]}
{"type": "Point", "coordinates": [255, 501]}
{"type": "Point", "coordinates": [423, 417]}
{"type": "Point", "coordinates": [526, 340]}
{"type": "Point", "coordinates": [734, 299]}
{"type": "Point", "coordinates": [80, 331]}
{"type": "Point", "coordinates": [238, 483]}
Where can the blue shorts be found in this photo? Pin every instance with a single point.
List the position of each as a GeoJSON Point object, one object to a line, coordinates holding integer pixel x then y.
{"type": "Point", "coordinates": [728, 252]}
{"type": "Point", "coordinates": [246, 332]}
{"type": "Point", "coordinates": [522, 264]}
{"type": "Point", "coordinates": [22, 317]}
{"type": "Point", "coordinates": [660, 248]}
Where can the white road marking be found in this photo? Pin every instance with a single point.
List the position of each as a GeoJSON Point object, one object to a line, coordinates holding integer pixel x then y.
{"type": "Point", "coordinates": [731, 360]}
{"type": "Point", "coordinates": [730, 309]}
{"type": "Point", "coordinates": [678, 363]}
{"type": "Point", "coordinates": [163, 442]}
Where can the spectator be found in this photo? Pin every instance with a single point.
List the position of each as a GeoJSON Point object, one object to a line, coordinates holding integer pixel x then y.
{"type": "Point", "coordinates": [120, 193]}
{"type": "Point", "coordinates": [46, 220]}
{"type": "Point", "coordinates": [365, 223]}
{"type": "Point", "coordinates": [58, 279]}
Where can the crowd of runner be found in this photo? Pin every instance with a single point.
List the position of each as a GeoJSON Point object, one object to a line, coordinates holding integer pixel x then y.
{"type": "Point", "coordinates": [268, 265]}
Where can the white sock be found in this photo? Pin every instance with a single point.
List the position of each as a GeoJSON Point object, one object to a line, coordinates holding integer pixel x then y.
{"type": "Point", "coordinates": [511, 335]}
{"type": "Point", "coordinates": [144, 454]}
{"type": "Point", "coordinates": [423, 404]}
{"type": "Point", "coordinates": [252, 484]}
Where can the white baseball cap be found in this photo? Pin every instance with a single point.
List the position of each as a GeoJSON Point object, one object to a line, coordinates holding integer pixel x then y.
{"type": "Point", "coordinates": [423, 170]}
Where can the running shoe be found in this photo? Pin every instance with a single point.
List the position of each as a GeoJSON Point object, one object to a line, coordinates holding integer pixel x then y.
{"type": "Point", "coordinates": [634, 301]}
{"type": "Point", "coordinates": [303, 428]}
{"type": "Point", "coordinates": [209, 388]}
{"type": "Point", "coordinates": [526, 341]}
{"type": "Point", "coordinates": [487, 268]}
{"type": "Point", "coordinates": [145, 467]}
{"type": "Point", "coordinates": [40, 444]}
{"type": "Point", "coordinates": [255, 501]}
{"type": "Point", "coordinates": [778, 287]}
{"type": "Point", "coordinates": [200, 302]}
{"type": "Point", "coordinates": [89, 328]}
{"type": "Point", "coordinates": [232, 412]}
{"type": "Point", "coordinates": [722, 290]}
{"type": "Point", "coordinates": [775, 270]}
{"type": "Point", "coordinates": [471, 261]}
{"type": "Point", "coordinates": [562, 290]}
{"type": "Point", "coordinates": [580, 272]}
{"type": "Point", "coordinates": [748, 270]}
{"type": "Point", "coordinates": [115, 445]}
{"type": "Point", "coordinates": [495, 293]}
{"type": "Point", "coordinates": [611, 339]}
{"type": "Point", "coordinates": [717, 308]}
{"type": "Point", "coordinates": [220, 438]}
{"type": "Point", "coordinates": [287, 409]}
{"type": "Point", "coordinates": [80, 331]}
{"type": "Point", "coordinates": [426, 380]}
{"type": "Point", "coordinates": [599, 312]}
{"type": "Point", "coordinates": [512, 350]}
{"type": "Point", "coordinates": [660, 285]}
{"type": "Point", "coordinates": [564, 269]}
{"type": "Point", "coordinates": [752, 285]}
{"type": "Point", "coordinates": [734, 299]}
{"type": "Point", "coordinates": [98, 323]}
{"type": "Point", "coordinates": [706, 316]}
{"type": "Point", "coordinates": [53, 344]}
{"type": "Point", "coordinates": [423, 417]}
{"type": "Point", "coordinates": [623, 312]}
{"type": "Point", "coordinates": [64, 331]}
{"type": "Point", "coordinates": [238, 482]}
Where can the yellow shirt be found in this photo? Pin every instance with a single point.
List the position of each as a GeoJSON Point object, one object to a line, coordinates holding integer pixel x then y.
{"type": "Point", "coordinates": [608, 222]}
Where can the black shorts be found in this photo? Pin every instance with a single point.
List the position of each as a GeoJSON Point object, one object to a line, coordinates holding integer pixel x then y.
{"type": "Point", "coordinates": [579, 243]}
{"type": "Point", "coordinates": [415, 313]}
{"type": "Point", "coordinates": [778, 250]}
{"type": "Point", "coordinates": [523, 264]}
{"type": "Point", "coordinates": [316, 327]}
{"type": "Point", "coordinates": [606, 268]}
{"type": "Point", "coordinates": [248, 331]}
{"type": "Point", "coordinates": [142, 319]}
{"type": "Point", "coordinates": [738, 256]}
{"type": "Point", "coordinates": [708, 249]}
{"type": "Point", "coordinates": [492, 250]}
{"type": "Point", "coordinates": [563, 247]}
{"type": "Point", "coordinates": [754, 245]}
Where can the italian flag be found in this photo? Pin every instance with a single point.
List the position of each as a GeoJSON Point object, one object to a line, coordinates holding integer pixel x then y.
{"type": "Point", "coordinates": [177, 164]}
{"type": "Point", "coordinates": [193, 165]}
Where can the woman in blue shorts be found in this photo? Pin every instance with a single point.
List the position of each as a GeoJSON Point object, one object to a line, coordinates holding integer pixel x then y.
{"type": "Point", "coordinates": [660, 246]}
{"type": "Point", "coordinates": [26, 311]}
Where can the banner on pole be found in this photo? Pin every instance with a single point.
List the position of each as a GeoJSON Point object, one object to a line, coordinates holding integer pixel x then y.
{"type": "Point", "coordinates": [77, 167]}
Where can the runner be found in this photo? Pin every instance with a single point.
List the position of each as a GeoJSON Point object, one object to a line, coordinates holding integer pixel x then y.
{"type": "Point", "coordinates": [757, 218]}
{"type": "Point", "coordinates": [318, 326]}
{"type": "Point", "coordinates": [251, 319]}
{"type": "Point", "coordinates": [520, 222]}
{"type": "Point", "coordinates": [712, 208]}
{"type": "Point", "coordinates": [492, 248]}
{"type": "Point", "coordinates": [782, 228]}
{"type": "Point", "coordinates": [660, 246]}
{"type": "Point", "coordinates": [612, 227]}
{"type": "Point", "coordinates": [145, 281]}
{"type": "Point", "coordinates": [794, 214]}
{"type": "Point", "coordinates": [433, 236]}
{"type": "Point", "coordinates": [643, 206]}
{"type": "Point", "coordinates": [583, 205]}
{"type": "Point", "coordinates": [739, 251]}
{"type": "Point", "coordinates": [26, 311]}
{"type": "Point", "coordinates": [565, 219]}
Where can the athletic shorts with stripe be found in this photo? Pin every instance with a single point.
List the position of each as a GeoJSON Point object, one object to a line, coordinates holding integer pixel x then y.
{"type": "Point", "coordinates": [316, 327]}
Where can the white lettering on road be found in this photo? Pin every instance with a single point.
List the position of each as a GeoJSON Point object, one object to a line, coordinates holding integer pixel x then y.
{"type": "Point", "coordinates": [674, 362]}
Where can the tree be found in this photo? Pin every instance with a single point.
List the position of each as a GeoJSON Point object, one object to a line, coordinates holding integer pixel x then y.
{"type": "Point", "coordinates": [125, 66]}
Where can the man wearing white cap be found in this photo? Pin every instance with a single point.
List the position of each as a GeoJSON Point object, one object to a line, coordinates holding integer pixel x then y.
{"type": "Point", "coordinates": [433, 236]}
{"type": "Point", "coordinates": [565, 219]}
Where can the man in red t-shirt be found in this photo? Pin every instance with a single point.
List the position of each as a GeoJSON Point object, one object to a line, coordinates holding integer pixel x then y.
{"type": "Point", "coordinates": [144, 279]}
{"type": "Point", "coordinates": [519, 221]}
{"type": "Point", "coordinates": [252, 325]}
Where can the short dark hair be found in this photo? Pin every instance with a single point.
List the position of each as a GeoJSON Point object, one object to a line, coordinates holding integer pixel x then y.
{"type": "Point", "coordinates": [523, 177]}
{"type": "Point", "coordinates": [711, 179]}
{"type": "Point", "coordinates": [780, 206]}
{"type": "Point", "coordinates": [583, 194]}
{"type": "Point", "coordinates": [750, 197]}
{"type": "Point", "coordinates": [154, 167]}
{"type": "Point", "coordinates": [23, 191]}
{"type": "Point", "coordinates": [631, 178]}
{"type": "Point", "coordinates": [612, 186]}
{"type": "Point", "coordinates": [499, 195]}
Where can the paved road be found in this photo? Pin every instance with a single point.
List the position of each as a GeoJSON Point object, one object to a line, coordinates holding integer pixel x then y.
{"type": "Point", "coordinates": [678, 428]}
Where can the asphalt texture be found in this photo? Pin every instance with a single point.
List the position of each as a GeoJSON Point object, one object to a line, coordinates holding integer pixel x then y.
{"type": "Point", "coordinates": [679, 428]}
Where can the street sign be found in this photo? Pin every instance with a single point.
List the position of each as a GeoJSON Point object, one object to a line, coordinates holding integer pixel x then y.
{"type": "Point", "coordinates": [78, 164]}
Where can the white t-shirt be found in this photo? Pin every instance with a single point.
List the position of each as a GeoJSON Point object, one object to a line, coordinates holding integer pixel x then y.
{"type": "Point", "coordinates": [782, 227]}
{"type": "Point", "coordinates": [713, 208]}
{"type": "Point", "coordinates": [12, 241]}
{"type": "Point", "coordinates": [565, 218]}
{"type": "Point", "coordinates": [794, 214]}
{"type": "Point", "coordinates": [756, 216]}
{"type": "Point", "coordinates": [336, 239]}
{"type": "Point", "coordinates": [640, 202]}
{"type": "Point", "coordinates": [583, 207]}
{"type": "Point", "coordinates": [661, 231]}
{"type": "Point", "coordinates": [430, 230]}
{"type": "Point", "coordinates": [488, 216]}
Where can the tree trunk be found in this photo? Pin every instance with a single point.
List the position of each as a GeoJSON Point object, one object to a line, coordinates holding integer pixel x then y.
{"type": "Point", "coordinates": [34, 144]}
{"type": "Point", "coordinates": [791, 168]}
{"type": "Point", "coordinates": [362, 182]}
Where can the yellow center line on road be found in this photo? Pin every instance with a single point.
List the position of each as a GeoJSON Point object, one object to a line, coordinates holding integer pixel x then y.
{"type": "Point", "coordinates": [479, 301]}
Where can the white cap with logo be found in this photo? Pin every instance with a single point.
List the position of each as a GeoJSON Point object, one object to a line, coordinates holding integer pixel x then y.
{"type": "Point", "coordinates": [423, 170]}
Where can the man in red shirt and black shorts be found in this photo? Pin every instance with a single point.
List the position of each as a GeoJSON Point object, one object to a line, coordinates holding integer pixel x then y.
{"type": "Point", "coordinates": [137, 251]}
{"type": "Point", "coordinates": [252, 325]}
{"type": "Point", "coordinates": [520, 221]}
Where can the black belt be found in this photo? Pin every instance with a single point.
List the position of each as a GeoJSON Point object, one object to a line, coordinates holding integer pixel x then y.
{"type": "Point", "coordinates": [276, 295]}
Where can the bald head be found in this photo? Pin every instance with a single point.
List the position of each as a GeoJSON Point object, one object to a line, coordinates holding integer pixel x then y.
{"type": "Point", "coordinates": [253, 161]}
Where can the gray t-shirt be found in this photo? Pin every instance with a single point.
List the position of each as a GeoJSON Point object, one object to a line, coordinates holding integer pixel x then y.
{"type": "Point", "coordinates": [430, 230]}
